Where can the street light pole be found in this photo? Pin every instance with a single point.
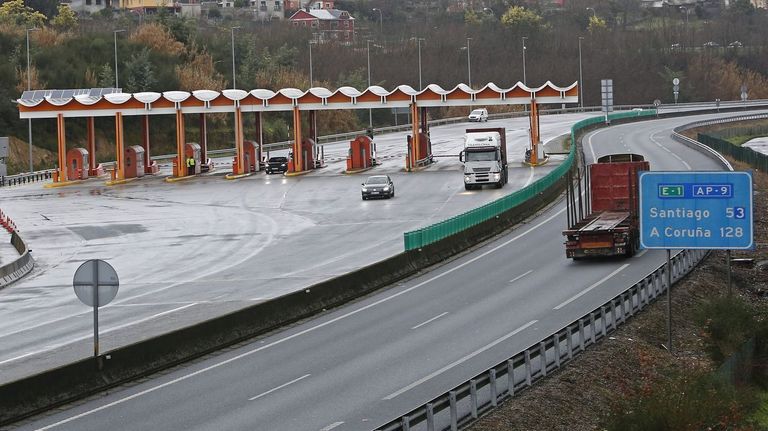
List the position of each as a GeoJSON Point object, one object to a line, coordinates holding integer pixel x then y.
{"type": "Point", "coordinates": [469, 64]}
{"type": "Point", "coordinates": [525, 81]}
{"type": "Point", "coordinates": [594, 14]}
{"type": "Point", "coordinates": [419, 41]}
{"type": "Point", "coordinates": [368, 52]}
{"type": "Point", "coordinates": [381, 20]}
{"type": "Point", "coordinates": [232, 31]}
{"type": "Point", "coordinates": [117, 83]}
{"type": "Point", "coordinates": [29, 87]}
{"type": "Point", "coordinates": [311, 82]}
{"type": "Point", "coordinates": [581, 88]}
{"type": "Point", "coordinates": [686, 14]}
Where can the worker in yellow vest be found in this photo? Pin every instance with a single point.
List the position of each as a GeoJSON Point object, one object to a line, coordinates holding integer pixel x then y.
{"type": "Point", "coordinates": [190, 166]}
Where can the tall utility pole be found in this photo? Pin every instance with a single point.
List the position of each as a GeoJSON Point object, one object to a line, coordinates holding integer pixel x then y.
{"type": "Point", "coordinates": [525, 81]}
{"type": "Point", "coordinates": [368, 51]}
{"type": "Point", "coordinates": [469, 64]}
{"type": "Point", "coordinates": [117, 82]}
{"type": "Point", "coordinates": [29, 87]}
{"type": "Point", "coordinates": [419, 42]}
{"type": "Point", "coordinates": [311, 82]}
{"type": "Point", "coordinates": [581, 89]}
{"type": "Point", "coordinates": [381, 20]}
{"type": "Point", "coordinates": [232, 31]}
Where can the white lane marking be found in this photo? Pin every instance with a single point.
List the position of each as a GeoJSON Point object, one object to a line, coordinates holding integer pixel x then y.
{"type": "Point", "coordinates": [642, 252]}
{"type": "Point", "coordinates": [520, 276]}
{"type": "Point", "coordinates": [430, 320]}
{"type": "Point", "coordinates": [530, 177]}
{"type": "Point", "coordinates": [279, 387]}
{"type": "Point", "coordinates": [331, 426]}
{"type": "Point", "coordinates": [303, 332]}
{"type": "Point", "coordinates": [86, 337]}
{"type": "Point", "coordinates": [670, 152]}
{"type": "Point", "coordinates": [457, 362]}
{"type": "Point", "coordinates": [599, 282]}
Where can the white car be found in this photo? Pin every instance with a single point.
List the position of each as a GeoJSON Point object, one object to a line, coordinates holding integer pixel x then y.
{"type": "Point", "coordinates": [478, 115]}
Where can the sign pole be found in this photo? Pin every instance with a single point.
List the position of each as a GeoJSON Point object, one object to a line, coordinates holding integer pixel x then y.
{"type": "Point", "coordinates": [96, 312]}
{"type": "Point", "coordinates": [669, 300]}
{"type": "Point", "coordinates": [728, 263]}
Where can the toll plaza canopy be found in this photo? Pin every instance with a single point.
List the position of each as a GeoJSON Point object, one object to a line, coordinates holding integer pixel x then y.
{"type": "Point", "coordinates": [287, 99]}
{"type": "Point", "coordinates": [62, 104]}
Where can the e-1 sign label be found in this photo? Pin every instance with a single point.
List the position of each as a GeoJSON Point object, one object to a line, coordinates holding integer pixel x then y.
{"type": "Point", "coordinates": [709, 210]}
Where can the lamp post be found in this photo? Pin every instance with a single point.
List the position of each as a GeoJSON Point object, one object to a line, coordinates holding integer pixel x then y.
{"type": "Point", "coordinates": [687, 11]}
{"type": "Point", "coordinates": [525, 81]}
{"type": "Point", "coordinates": [418, 41]}
{"type": "Point", "coordinates": [311, 81]}
{"type": "Point", "coordinates": [469, 64]}
{"type": "Point", "coordinates": [594, 14]}
{"type": "Point", "coordinates": [368, 51]}
{"type": "Point", "coordinates": [232, 32]}
{"type": "Point", "coordinates": [117, 83]}
{"type": "Point", "coordinates": [381, 19]}
{"type": "Point", "coordinates": [29, 87]}
{"type": "Point", "coordinates": [581, 89]}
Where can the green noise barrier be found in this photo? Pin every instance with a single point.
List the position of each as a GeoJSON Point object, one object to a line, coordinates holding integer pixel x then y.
{"type": "Point", "coordinates": [418, 238]}
{"type": "Point", "coordinates": [747, 155]}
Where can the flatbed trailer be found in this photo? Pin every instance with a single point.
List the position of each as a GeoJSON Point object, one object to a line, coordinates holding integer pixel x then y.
{"type": "Point", "coordinates": [611, 226]}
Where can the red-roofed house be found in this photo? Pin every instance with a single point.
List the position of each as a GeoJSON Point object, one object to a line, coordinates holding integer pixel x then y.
{"type": "Point", "coordinates": [329, 24]}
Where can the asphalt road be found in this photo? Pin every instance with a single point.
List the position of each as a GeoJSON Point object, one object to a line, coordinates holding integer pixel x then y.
{"type": "Point", "coordinates": [366, 363]}
{"type": "Point", "coordinates": [195, 249]}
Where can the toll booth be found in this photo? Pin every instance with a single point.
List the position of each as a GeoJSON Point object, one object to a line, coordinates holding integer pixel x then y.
{"type": "Point", "coordinates": [360, 155]}
{"type": "Point", "coordinates": [308, 155]}
{"type": "Point", "coordinates": [192, 149]}
{"type": "Point", "coordinates": [251, 156]}
{"type": "Point", "coordinates": [425, 149]}
{"type": "Point", "coordinates": [77, 164]}
{"type": "Point", "coordinates": [134, 162]}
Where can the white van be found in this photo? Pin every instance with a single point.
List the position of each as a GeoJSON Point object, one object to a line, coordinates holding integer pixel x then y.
{"type": "Point", "coordinates": [478, 115]}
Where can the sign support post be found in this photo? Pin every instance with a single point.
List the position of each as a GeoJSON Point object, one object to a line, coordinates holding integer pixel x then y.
{"type": "Point", "coordinates": [695, 210]}
{"type": "Point", "coordinates": [91, 277]}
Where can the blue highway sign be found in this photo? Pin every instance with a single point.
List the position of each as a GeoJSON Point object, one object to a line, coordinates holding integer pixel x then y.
{"type": "Point", "coordinates": [709, 210]}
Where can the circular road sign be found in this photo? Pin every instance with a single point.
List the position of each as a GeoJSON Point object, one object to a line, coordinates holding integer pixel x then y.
{"type": "Point", "coordinates": [657, 102]}
{"type": "Point", "coordinates": [676, 81]}
{"type": "Point", "coordinates": [95, 281]}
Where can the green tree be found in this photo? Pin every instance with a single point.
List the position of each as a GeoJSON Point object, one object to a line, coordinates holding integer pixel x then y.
{"type": "Point", "coordinates": [596, 24]}
{"type": "Point", "coordinates": [106, 77]}
{"type": "Point", "coordinates": [65, 19]}
{"type": "Point", "coordinates": [141, 74]}
{"type": "Point", "coordinates": [521, 18]}
{"type": "Point", "coordinates": [14, 11]}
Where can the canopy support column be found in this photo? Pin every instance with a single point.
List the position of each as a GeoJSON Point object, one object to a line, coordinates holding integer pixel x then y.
{"type": "Point", "coordinates": [239, 169]}
{"type": "Point", "coordinates": [203, 140]}
{"type": "Point", "coordinates": [149, 166]}
{"type": "Point", "coordinates": [62, 147]}
{"type": "Point", "coordinates": [93, 170]}
{"type": "Point", "coordinates": [259, 137]}
{"type": "Point", "coordinates": [535, 133]}
{"type": "Point", "coordinates": [180, 140]}
{"type": "Point", "coordinates": [119, 147]}
{"type": "Point", "coordinates": [298, 162]}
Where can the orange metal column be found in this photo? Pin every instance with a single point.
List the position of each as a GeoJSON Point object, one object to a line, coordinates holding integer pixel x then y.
{"type": "Point", "coordinates": [298, 159]}
{"type": "Point", "coordinates": [239, 141]}
{"type": "Point", "coordinates": [145, 141]}
{"type": "Point", "coordinates": [203, 139]}
{"type": "Point", "coordinates": [416, 134]}
{"type": "Point", "coordinates": [534, 121]}
{"type": "Point", "coordinates": [91, 128]}
{"type": "Point", "coordinates": [259, 135]}
{"type": "Point", "coordinates": [181, 166]}
{"type": "Point", "coordinates": [119, 147]}
{"type": "Point", "coordinates": [62, 144]}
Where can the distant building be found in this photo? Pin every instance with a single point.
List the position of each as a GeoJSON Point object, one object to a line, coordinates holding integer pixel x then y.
{"type": "Point", "coordinates": [328, 24]}
{"type": "Point", "coordinates": [293, 5]}
{"type": "Point", "coordinates": [268, 10]}
{"type": "Point", "coordinates": [88, 6]}
{"type": "Point", "coordinates": [148, 6]}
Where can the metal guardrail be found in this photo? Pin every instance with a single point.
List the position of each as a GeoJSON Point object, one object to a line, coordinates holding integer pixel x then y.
{"type": "Point", "coordinates": [464, 403]}
{"type": "Point", "coordinates": [20, 267]}
{"type": "Point", "coordinates": [469, 400]}
{"type": "Point", "coordinates": [12, 180]}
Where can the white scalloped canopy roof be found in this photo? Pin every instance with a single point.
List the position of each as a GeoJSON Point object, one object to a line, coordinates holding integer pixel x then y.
{"type": "Point", "coordinates": [292, 93]}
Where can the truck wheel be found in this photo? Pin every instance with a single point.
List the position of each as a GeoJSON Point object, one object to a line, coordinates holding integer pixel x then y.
{"type": "Point", "coordinates": [468, 187]}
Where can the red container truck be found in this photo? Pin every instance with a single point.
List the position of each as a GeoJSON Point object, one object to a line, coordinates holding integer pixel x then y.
{"type": "Point", "coordinates": [606, 223]}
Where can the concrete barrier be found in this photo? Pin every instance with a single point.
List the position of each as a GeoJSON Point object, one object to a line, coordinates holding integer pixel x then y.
{"type": "Point", "coordinates": [19, 267]}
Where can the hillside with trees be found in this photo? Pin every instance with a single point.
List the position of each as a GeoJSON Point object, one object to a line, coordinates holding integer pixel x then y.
{"type": "Point", "coordinates": [640, 49]}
